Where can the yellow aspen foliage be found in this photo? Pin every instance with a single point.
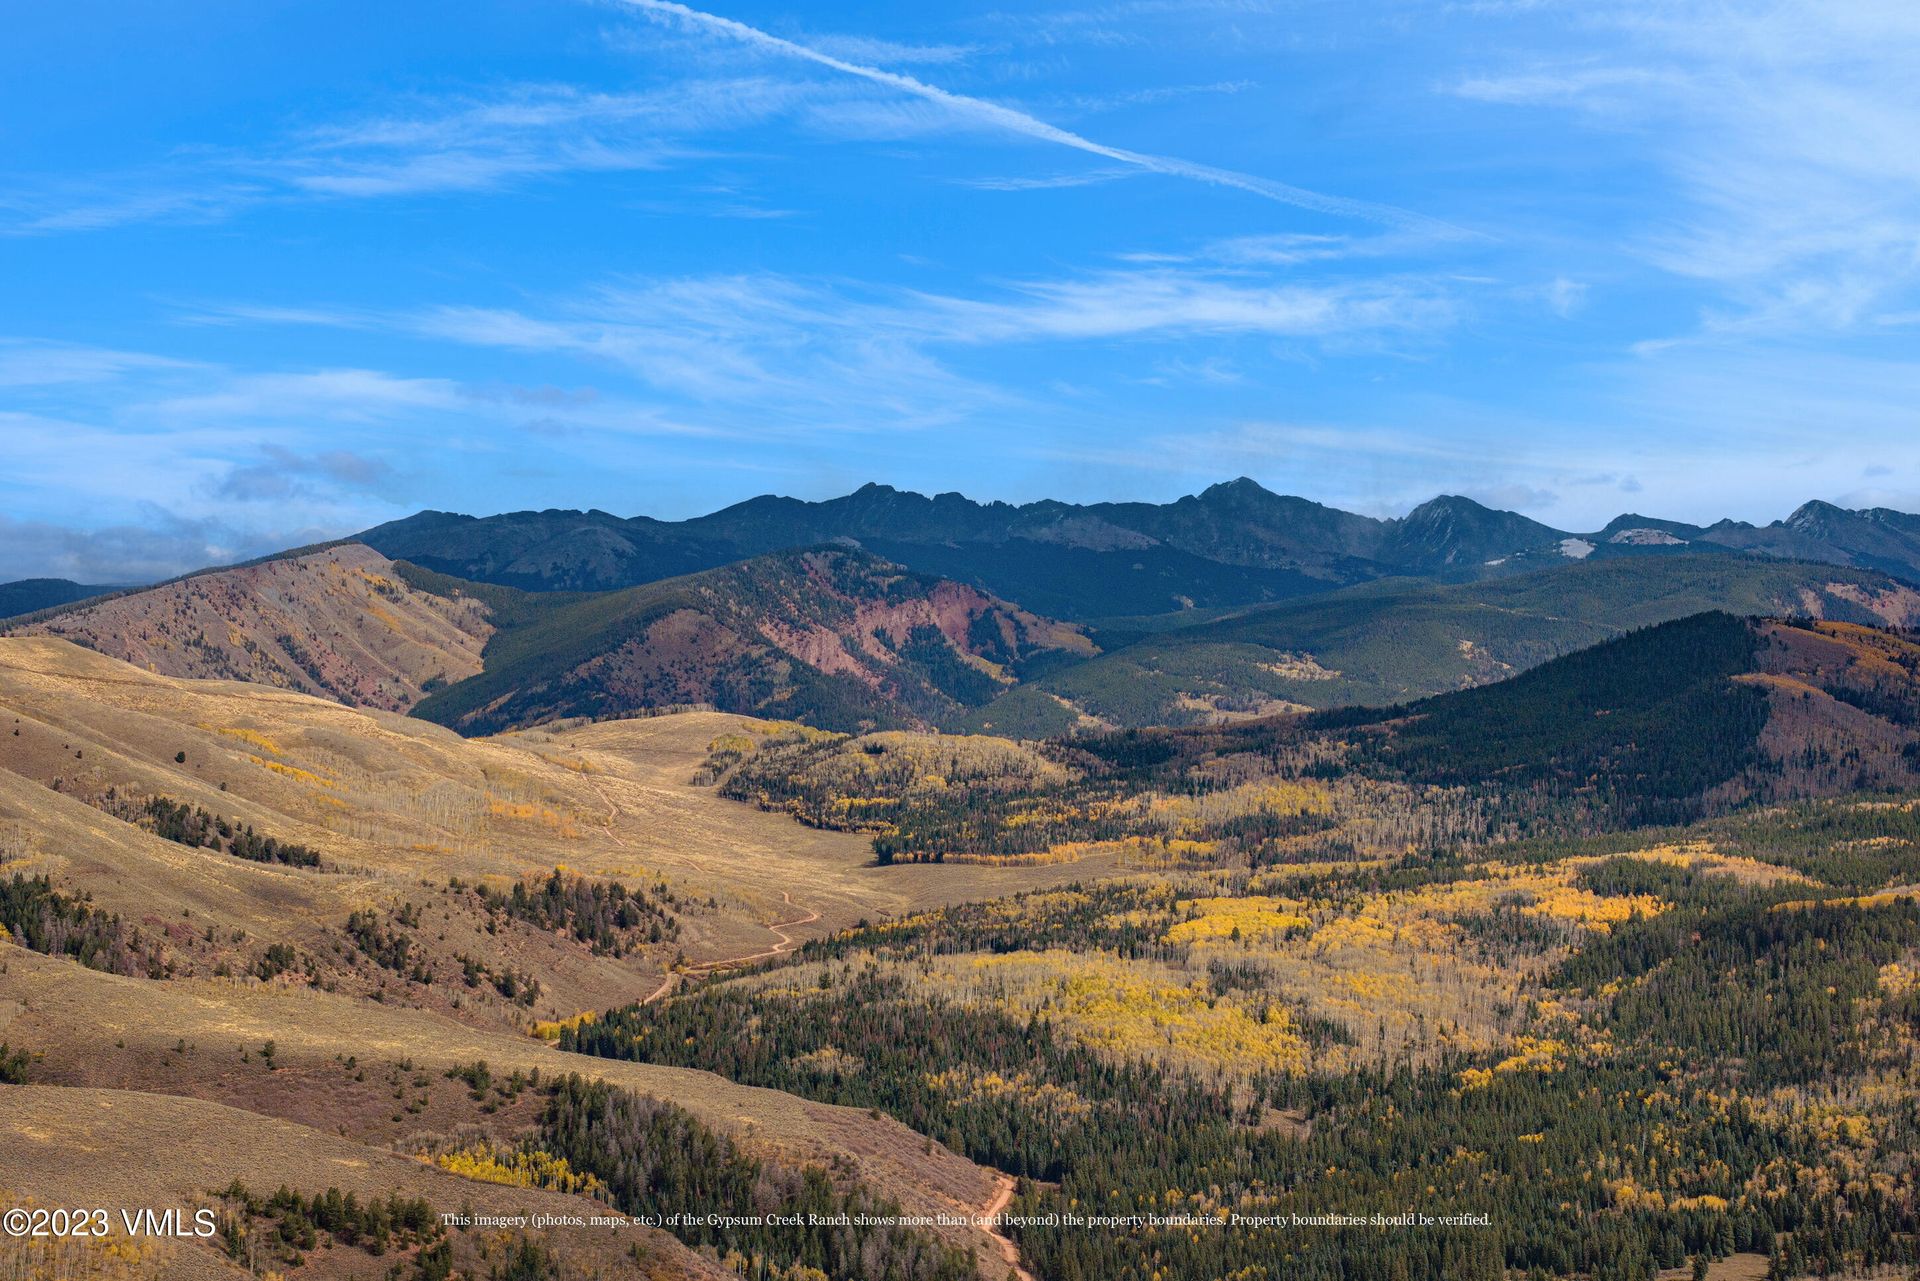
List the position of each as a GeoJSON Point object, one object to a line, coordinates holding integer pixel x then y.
{"type": "Point", "coordinates": [550, 1029]}
{"type": "Point", "coordinates": [519, 1168]}
{"type": "Point", "coordinates": [293, 772]}
{"type": "Point", "coordinates": [1251, 918]}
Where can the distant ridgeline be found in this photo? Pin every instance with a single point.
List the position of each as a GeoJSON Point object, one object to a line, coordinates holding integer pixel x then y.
{"type": "Point", "coordinates": [1233, 544]}
{"type": "Point", "coordinates": [29, 595]}
{"type": "Point", "coordinates": [1662, 725]}
{"type": "Point", "coordinates": [887, 610]}
{"type": "Point", "coordinates": [1230, 604]}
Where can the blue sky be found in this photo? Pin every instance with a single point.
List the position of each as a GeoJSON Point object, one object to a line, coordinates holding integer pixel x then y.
{"type": "Point", "coordinates": [275, 273]}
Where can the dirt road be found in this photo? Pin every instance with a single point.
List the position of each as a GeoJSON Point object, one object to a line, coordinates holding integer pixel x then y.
{"type": "Point", "coordinates": [778, 929]}
{"type": "Point", "coordinates": [1002, 1197]}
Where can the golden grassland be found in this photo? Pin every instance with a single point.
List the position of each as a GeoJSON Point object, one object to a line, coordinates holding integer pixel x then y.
{"type": "Point", "coordinates": [93, 1030]}
{"type": "Point", "coordinates": [85, 1146]}
{"type": "Point", "coordinates": [398, 806]}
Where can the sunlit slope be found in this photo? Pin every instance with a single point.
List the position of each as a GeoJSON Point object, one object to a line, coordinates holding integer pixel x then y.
{"type": "Point", "coordinates": [121, 1148]}
{"type": "Point", "coordinates": [337, 622]}
{"type": "Point", "coordinates": [88, 1029]}
{"type": "Point", "coordinates": [399, 814]}
{"type": "Point", "coordinates": [833, 636]}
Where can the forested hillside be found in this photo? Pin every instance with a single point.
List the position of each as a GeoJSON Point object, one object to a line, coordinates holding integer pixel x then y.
{"type": "Point", "coordinates": [1585, 1060]}
{"type": "Point", "coordinates": [1665, 724]}
{"type": "Point", "coordinates": [1387, 642]}
{"type": "Point", "coordinates": [834, 636]}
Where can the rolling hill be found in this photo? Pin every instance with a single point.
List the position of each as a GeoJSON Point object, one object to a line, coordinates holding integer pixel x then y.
{"type": "Point", "coordinates": [1664, 724]}
{"type": "Point", "coordinates": [336, 622]}
{"type": "Point", "coordinates": [1387, 642]}
{"type": "Point", "coordinates": [833, 636]}
{"type": "Point", "coordinates": [153, 964]}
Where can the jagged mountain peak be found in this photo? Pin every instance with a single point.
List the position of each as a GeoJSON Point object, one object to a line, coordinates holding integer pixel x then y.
{"type": "Point", "coordinates": [1815, 513]}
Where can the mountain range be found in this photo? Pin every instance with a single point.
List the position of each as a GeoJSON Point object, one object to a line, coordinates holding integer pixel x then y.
{"type": "Point", "coordinates": [315, 881]}
{"type": "Point", "coordinates": [1232, 544]}
{"type": "Point", "coordinates": [885, 610]}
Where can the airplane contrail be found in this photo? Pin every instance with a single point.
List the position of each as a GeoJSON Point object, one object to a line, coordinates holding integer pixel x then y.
{"type": "Point", "coordinates": [1019, 122]}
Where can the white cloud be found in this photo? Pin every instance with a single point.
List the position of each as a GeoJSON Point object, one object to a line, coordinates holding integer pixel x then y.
{"type": "Point", "coordinates": [421, 146]}
{"type": "Point", "coordinates": [1786, 129]}
{"type": "Point", "coordinates": [982, 113]}
{"type": "Point", "coordinates": [1089, 178]}
{"type": "Point", "coordinates": [25, 363]}
{"type": "Point", "coordinates": [836, 354]}
{"type": "Point", "coordinates": [1165, 302]}
{"type": "Point", "coordinates": [1563, 297]}
{"type": "Point", "coordinates": [327, 395]}
{"type": "Point", "coordinates": [1594, 88]}
{"type": "Point", "coordinates": [872, 49]}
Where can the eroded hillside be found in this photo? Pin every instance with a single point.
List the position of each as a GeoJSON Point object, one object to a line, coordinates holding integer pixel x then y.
{"type": "Point", "coordinates": [832, 636]}
{"type": "Point", "coordinates": [338, 623]}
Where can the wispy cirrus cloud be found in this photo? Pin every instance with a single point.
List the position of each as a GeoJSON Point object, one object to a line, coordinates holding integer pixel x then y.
{"type": "Point", "coordinates": [502, 137]}
{"type": "Point", "coordinates": [866, 357]}
{"type": "Point", "coordinates": [1590, 87]}
{"type": "Point", "coordinates": [1166, 302]}
{"type": "Point", "coordinates": [1784, 129]}
{"type": "Point", "coordinates": [29, 364]}
{"type": "Point", "coordinates": [984, 113]}
{"type": "Point", "coordinates": [460, 143]}
{"type": "Point", "coordinates": [1151, 95]}
{"type": "Point", "coordinates": [1048, 182]}
{"type": "Point", "coordinates": [876, 50]}
{"type": "Point", "coordinates": [325, 395]}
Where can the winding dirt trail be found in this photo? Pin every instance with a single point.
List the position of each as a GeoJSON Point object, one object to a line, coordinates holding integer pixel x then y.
{"type": "Point", "coordinates": [778, 929]}
{"type": "Point", "coordinates": [1002, 1197]}
{"type": "Point", "coordinates": [672, 977]}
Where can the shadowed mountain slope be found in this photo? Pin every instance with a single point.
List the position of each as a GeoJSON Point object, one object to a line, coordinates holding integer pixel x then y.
{"type": "Point", "coordinates": [30, 595]}
{"type": "Point", "coordinates": [1232, 544]}
{"type": "Point", "coordinates": [1390, 641]}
